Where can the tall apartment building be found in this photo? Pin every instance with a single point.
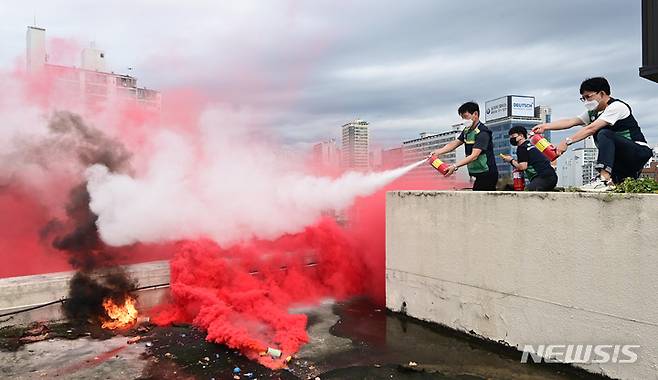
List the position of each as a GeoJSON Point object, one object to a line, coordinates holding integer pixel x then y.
{"type": "Point", "coordinates": [355, 145]}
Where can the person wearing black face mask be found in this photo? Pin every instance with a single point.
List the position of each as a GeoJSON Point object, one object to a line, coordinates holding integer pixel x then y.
{"type": "Point", "coordinates": [531, 161]}
{"type": "Point", "coordinates": [623, 150]}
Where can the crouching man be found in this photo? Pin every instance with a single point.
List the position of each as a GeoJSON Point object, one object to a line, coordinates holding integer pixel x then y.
{"type": "Point", "coordinates": [536, 167]}
{"type": "Point", "coordinates": [623, 150]}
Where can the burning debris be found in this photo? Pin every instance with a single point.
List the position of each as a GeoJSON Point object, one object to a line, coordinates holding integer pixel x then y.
{"type": "Point", "coordinates": [105, 299]}
{"type": "Point", "coordinates": [121, 315]}
{"type": "Point", "coordinates": [96, 294]}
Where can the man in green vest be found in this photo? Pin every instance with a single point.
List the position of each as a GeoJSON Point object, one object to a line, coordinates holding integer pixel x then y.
{"type": "Point", "coordinates": [478, 146]}
{"type": "Point", "coordinates": [531, 161]}
{"type": "Point", "coordinates": [623, 150]}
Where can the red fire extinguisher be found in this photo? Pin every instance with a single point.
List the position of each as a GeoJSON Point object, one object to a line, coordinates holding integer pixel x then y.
{"type": "Point", "coordinates": [437, 164]}
{"type": "Point", "coordinates": [519, 181]}
{"type": "Point", "coordinates": [544, 146]}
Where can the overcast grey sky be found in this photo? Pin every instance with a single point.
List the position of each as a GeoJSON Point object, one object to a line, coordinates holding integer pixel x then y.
{"type": "Point", "coordinates": [303, 68]}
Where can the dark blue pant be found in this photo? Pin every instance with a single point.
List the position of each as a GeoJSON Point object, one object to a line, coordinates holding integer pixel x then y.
{"type": "Point", "coordinates": [546, 183]}
{"type": "Point", "coordinates": [485, 181]}
{"type": "Point", "coordinates": [620, 157]}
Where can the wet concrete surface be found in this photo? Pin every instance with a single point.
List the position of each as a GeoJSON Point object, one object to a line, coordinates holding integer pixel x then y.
{"type": "Point", "coordinates": [82, 358]}
{"type": "Point", "coordinates": [353, 340]}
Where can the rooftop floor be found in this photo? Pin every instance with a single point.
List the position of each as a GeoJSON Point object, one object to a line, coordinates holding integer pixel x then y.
{"type": "Point", "coordinates": [353, 340]}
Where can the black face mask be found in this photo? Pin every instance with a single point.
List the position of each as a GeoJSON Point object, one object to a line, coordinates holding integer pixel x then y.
{"type": "Point", "coordinates": [512, 141]}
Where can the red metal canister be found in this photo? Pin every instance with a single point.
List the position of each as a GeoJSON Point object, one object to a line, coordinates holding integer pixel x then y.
{"type": "Point", "coordinates": [544, 146]}
{"type": "Point", "coordinates": [437, 164]}
{"type": "Point", "coordinates": [518, 180]}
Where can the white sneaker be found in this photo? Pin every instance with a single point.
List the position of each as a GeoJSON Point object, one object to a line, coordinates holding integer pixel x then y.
{"type": "Point", "coordinates": [598, 185]}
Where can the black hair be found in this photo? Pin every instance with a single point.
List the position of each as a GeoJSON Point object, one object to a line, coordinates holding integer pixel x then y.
{"type": "Point", "coordinates": [595, 85]}
{"type": "Point", "coordinates": [470, 107]}
{"type": "Point", "coordinates": [518, 129]}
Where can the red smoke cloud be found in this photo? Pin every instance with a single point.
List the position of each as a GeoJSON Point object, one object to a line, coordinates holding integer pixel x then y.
{"type": "Point", "coordinates": [241, 294]}
{"type": "Point", "coordinates": [22, 252]}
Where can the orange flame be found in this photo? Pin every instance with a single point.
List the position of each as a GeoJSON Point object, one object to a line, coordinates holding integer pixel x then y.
{"type": "Point", "coordinates": [119, 316]}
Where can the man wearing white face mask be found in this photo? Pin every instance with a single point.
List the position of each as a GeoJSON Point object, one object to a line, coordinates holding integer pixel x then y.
{"type": "Point", "coordinates": [623, 150]}
{"type": "Point", "coordinates": [478, 146]}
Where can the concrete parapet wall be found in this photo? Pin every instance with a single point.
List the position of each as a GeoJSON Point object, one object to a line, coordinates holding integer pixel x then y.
{"type": "Point", "coordinates": [530, 268]}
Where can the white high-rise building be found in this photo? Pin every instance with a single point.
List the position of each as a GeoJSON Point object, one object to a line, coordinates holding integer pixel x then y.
{"type": "Point", "coordinates": [576, 166]}
{"type": "Point", "coordinates": [355, 145]}
{"type": "Point", "coordinates": [36, 56]}
{"type": "Point", "coordinates": [416, 149]}
{"type": "Point", "coordinates": [90, 84]}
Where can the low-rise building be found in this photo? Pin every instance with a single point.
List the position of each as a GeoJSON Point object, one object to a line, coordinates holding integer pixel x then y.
{"type": "Point", "coordinates": [90, 84]}
{"type": "Point", "coordinates": [417, 149]}
{"type": "Point", "coordinates": [576, 166]}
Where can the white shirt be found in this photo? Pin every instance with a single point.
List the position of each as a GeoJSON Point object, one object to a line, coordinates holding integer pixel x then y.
{"type": "Point", "coordinates": [611, 114]}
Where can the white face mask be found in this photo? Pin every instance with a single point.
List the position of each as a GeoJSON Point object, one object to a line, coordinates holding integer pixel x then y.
{"type": "Point", "coordinates": [467, 123]}
{"type": "Point", "coordinates": [591, 105]}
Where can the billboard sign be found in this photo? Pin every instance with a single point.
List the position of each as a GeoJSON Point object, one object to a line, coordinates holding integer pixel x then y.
{"type": "Point", "coordinates": [523, 106]}
{"type": "Point", "coordinates": [496, 109]}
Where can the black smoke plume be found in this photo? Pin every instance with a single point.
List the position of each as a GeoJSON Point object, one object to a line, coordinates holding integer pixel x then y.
{"type": "Point", "coordinates": [78, 236]}
{"type": "Point", "coordinates": [87, 292]}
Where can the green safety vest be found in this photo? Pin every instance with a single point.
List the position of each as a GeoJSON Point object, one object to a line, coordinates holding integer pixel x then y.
{"type": "Point", "coordinates": [480, 164]}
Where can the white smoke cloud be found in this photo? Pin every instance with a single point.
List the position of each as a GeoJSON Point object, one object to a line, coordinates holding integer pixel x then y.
{"type": "Point", "coordinates": [228, 188]}
{"type": "Point", "coordinates": [223, 180]}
